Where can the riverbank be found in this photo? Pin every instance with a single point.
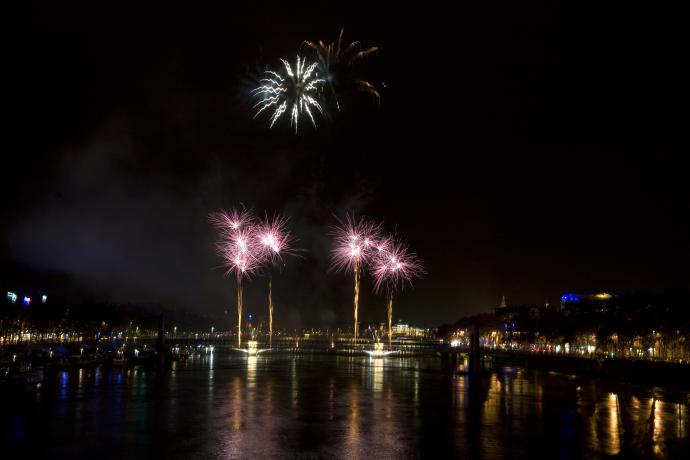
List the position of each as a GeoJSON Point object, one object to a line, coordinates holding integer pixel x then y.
{"type": "Point", "coordinates": [638, 372]}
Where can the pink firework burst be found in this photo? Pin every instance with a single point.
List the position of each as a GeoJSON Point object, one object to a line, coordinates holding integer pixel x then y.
{"type": "Point", "coordinates": [228, 222]}
{"type": "Point", "coordinates": [395, 267]}
{"type": "Point", "coordinates": [355, 241]}
{"type": "Point", "coordinates": [237, 243]}
{"type": "Point", "coordinates": [274, 239]}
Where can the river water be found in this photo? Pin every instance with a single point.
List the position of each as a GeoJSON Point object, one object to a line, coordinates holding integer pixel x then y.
{"type": "Point", "coordinates": [318, 406]}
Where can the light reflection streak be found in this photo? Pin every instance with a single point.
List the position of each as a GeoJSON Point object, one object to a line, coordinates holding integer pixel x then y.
{"type": "Point", "coordinates": [64, 376]}
{"type": "Point", "coordinates": [97, 376]}
{"type": "Point", "coordinates": [331, 398]}
{"type": "Point", "coordinates": [377, 369]}
{"type": "Point", "coordinates": [374, 403]}
{"type": "Point", "coordinates": [614, 447]}
{"type": "Point", "coordinates": [294, 384]}
{"type": "Point", "coordinates": [236, 403]}
{"type": "Point", "coordinates": [251, 372]}
{"type": "Point", "coordinates": [353, 438]}
{"type": "Point", "coordinates": [251, 385]}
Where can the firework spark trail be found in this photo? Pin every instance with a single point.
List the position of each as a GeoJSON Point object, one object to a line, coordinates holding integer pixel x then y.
{"type": "Point", "coordinates": [227, 222]}
{"type": "Point", "coordinates": [393, 268]}
{"type": "Point", "coordinates": [275, 241]}
{"type": "Point", "coordinates": [337, 64]}
{"type": "Point", "coordinates": [239, 251]}
{"type": "Point", "coordinates": [356, 243]}
{"type": "Point", "coordinates": [297, 92]}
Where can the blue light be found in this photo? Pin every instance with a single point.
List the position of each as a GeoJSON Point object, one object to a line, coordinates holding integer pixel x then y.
{"type": "Point", "coordinates": [570, 298]}
{"type": "Point", "coordinates": [27, 301]}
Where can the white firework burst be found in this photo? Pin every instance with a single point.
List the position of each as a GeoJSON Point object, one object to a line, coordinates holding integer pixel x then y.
{"type": "Point", "coordinates": [296, 92]}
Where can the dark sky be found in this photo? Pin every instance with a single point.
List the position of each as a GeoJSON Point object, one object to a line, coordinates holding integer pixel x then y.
{"type": "Point", "coordinates": [521, 150]}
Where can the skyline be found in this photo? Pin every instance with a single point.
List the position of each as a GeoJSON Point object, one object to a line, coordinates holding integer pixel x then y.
{"type": "Point", "coordinates": [120, 144]}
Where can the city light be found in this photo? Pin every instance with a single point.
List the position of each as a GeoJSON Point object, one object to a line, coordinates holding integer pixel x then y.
{"type": "Point", "coordinates": [603, 296]}
{"type": "Point", "coordinates": [12, 297]}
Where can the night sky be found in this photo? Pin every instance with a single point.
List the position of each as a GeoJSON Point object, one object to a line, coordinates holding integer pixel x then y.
{"type": "Point", "coordinates": [523, 151]}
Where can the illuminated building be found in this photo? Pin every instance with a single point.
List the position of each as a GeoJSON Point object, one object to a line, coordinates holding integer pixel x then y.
{"type": "Point", "coordinates": [405, 330]}
{"type": "Point", "coordinates": [586, 303]}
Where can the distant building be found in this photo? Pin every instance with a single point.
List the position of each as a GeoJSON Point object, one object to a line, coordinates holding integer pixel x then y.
{"type": "Point", "coordinates": [511, 313]}
{"type": "Point", "coordinates": [586, 303]}
{"type": "Point", "coordinates": [27, 298]}
{"type": "Point", "coordinates": [405, 330]}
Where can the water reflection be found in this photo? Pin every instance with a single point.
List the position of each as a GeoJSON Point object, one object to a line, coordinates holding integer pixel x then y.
{"type": "Point", "coordinates": [612, 445]}
{"type": "Point", "coordinates": [251, 371]}
{"type": "Point", "coordinates": [236, 402]}
{"type": "Point", "coordinates": [353, 440]}
{"type": "Point", "coordinates": [294, 384]}
{"type": "Point", "coordinates": [321, 406]}
{"type": "Point", "coordinates": [377, 371]}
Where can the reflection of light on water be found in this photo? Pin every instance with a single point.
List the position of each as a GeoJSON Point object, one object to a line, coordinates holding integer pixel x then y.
{"type": "Point", "coordinates": [294, 385]}
{"type": "Point", "coordinates": [682, 423]}
{"type": "Point", "coordinates": [492, 405]}
{"type": "Point", "coordinates": [460, 389]}
{"type": "Point", "coordinates": [269, 396]}
{"type": "Point", "coordinates": [604, 425]}
{"type": "Point", "coordinates": [236, 403]}
{"type": "Point", "coordinates": [380, 415]}
{"type": "Point", "coordinates": [331, 398]}
{"type": "Point", "coordinates": [658, 433]}
{"type": "Point", "coordinates": [377, 369]}
{"type": "Point", "coordinates": [251, 385]}
{"type": "Point", "coordinates": [540, 402]}
{"type": "Point", "coordinates": [641, 424]}
{"type": "Point", "coordinates": [353, 422]}
{"type": "Point", "coordinates": [614, 446]}
{"type": "Point", "coordinates": [635, 408]}
{"type": "Point", "coordinates": [251, 372]}
{"type": "Point", "coordinates": [63, 384]}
